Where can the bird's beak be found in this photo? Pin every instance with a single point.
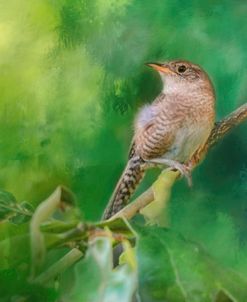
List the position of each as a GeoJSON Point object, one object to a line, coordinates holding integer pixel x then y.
{"type": "Point", "coordinates": [160, 67]}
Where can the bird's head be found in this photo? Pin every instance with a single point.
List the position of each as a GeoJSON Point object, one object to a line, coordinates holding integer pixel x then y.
{"type": "Point", "coordinates": [182, 75]}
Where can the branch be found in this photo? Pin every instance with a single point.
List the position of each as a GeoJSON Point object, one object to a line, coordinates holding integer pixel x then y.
{"type": "Point", "coordinates": [220, 129]}
{"type": "Point", "coordinates": [226, 124]}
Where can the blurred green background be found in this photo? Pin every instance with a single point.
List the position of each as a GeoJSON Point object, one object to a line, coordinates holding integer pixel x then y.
{"type": "Point", "coordinates": [72, 77]}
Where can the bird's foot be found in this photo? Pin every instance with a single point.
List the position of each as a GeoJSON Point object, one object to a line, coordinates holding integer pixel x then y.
{"type": "Point", "coordinates": [184, 169]}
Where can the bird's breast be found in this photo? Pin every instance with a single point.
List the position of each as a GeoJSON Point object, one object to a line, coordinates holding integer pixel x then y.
{"type": "Point", "coordinates": [188, 139]}
{"type": "Point", "coordinates": [174, 128]}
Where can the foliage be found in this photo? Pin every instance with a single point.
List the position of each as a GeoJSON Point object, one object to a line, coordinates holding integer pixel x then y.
{"type": "Point", "coordinates": [156, 264]}
{"type": "Point", "coordinates": [13, 211]}
{"type": "Point", "coordinates": [100, 281]}
{"type": "Point", "coordinates": [182, 270]}
{"type": "Point", "coordinates": [72, 77]}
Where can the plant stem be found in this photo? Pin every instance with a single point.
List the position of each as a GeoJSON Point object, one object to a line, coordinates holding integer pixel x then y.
{"type": "Point", "coordinates": [60, 266]}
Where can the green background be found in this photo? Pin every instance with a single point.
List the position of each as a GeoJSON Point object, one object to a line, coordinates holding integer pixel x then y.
{"type": "Point", "coordinates": [72, 77]}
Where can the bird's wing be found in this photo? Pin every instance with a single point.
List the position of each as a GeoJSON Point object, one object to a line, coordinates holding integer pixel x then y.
{"type": "Point", "coordinates": [156, 140]}
{"type": "Point", "coordinates": [157, 136]}
{"type": "Point", "coordinates": [133, 145]}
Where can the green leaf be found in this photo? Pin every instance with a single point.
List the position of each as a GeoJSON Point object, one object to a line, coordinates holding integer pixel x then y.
{"type": "Point", "coordinates": [15, 287]}
{"type": "Point", "coordinates": [15, 212]}
{"type": "Point", "coordinates": [60, 198]}
{"type": "Point", "coordinates": [56, 226]}
{"type": "Point", "coordinates": [6, 197]}
{"type": "Point", "coordinates": [7, 204]}
{"type": "Point", "coordinates": [96, 281]}
{"type": "Point", "coordinates": [118, 225]}
{"type": "Point", "coordinates": [27, 206]}
{"type": "Point", "coordinates": [19, 219]}
{"type": "Point", "coordinates": [173, 269]}
{"type": "Point", "coordinates": [128, 255]}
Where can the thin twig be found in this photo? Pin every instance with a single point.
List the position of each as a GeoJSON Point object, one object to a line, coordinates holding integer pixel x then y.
{"type": "Point", "coordinates": [219, 131]}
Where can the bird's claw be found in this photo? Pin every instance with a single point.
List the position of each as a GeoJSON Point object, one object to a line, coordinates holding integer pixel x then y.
{"type": "Point", "coordinates": [185, 170]}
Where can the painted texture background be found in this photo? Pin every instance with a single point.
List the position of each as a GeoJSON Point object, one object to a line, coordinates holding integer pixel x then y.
{"type": "Point", "coordinates": [72, 77]}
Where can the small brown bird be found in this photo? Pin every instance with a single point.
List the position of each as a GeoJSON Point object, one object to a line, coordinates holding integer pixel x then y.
{"type": "Point", "coordinates": [171, 129]}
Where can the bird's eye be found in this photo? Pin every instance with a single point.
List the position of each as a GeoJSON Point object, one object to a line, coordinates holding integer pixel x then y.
{"type": "Point", "coordinates": [181, 68]}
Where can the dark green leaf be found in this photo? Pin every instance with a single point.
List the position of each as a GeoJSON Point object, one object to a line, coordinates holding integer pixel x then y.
{"type": "Point", "coordinates": [26, 206]}
{"type": "Point", "coordinates": [15, 212]}
{"type": "Point", "coordinates": [7, 204]}
{"type": "Point", "coordinates": [15, 287]}
{"type": "Point", "coordinates": [19, 218]}
{"type": "Point", "coordinates": [7, 197]}
{"type": "Point", "coordinates": [173, 269]}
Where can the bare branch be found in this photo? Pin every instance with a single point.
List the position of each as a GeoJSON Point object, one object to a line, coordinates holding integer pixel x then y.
{"type": "Point", "coordinates": [225, 125]}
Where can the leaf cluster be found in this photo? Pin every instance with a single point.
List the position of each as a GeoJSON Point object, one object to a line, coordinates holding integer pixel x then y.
{"type": "Point", "coordinates": [116, 260]}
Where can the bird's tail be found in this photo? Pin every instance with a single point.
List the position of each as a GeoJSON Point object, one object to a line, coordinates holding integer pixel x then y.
{"type": "Point", "coordinates": [128, 182]}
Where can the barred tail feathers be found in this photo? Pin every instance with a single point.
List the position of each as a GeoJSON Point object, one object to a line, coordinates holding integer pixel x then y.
{"type": "Point", "coordinates": [128, 182]}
